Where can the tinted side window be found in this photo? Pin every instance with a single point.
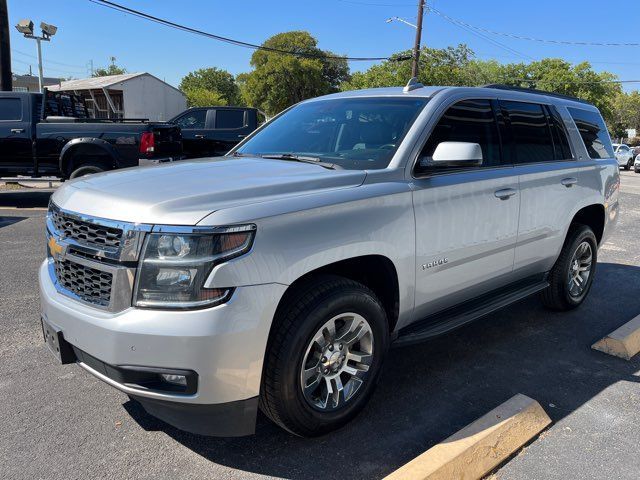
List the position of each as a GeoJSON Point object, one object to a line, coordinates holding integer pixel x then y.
{"type": "Point", "coordinates": [466, 121]}
{"type": "Point", "coordinates": [560, 140]}
{"type": "Point", "coordinates": [593, 132]}
{"type": "Point", "coordinates": [10, 109]}
{"type": "Point", "coordinates": [195, 119]}
{"type": "Point", "coordinates": [229, 118]}
{"type": "Point", "coordinates": [531, 132]}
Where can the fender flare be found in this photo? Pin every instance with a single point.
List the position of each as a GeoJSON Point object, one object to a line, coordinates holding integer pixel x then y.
{"type": "Point", "coordinates": [70, 146]}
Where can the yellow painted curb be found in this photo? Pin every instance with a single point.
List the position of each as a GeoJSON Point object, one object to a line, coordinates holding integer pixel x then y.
{"type": "Point", "coordinates": [478, 448]}
{"type": "Point", "coordinates": [623, 342]}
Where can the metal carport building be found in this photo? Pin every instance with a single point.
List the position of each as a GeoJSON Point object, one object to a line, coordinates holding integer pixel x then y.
{"type": "Point", "coordinates": [130, 95]}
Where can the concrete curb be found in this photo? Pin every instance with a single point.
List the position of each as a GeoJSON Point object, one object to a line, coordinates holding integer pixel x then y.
{"type": "Point", "coordinates": [623, 342]}
{"type": "Point", "coordinates": [481, 446]}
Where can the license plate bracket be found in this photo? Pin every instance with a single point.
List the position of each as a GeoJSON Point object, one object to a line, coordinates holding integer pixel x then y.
{"type": "Point", "coordinates": [58, 346]}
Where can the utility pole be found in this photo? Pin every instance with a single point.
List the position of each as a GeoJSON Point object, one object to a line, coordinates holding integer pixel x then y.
{"type": "Point", "coordinates": [416, 45]}
{"type": "Point", "coordinates": [6, 80]}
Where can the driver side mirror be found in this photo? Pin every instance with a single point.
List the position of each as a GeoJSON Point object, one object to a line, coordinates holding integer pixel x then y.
{"type": "Point", "coordinates": [454, 155]}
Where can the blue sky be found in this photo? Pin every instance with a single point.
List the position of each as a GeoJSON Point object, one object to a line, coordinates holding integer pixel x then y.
{"type": "Point", "coordinates": [90, 32]}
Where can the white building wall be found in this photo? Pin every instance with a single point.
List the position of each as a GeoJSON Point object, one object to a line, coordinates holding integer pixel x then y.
{"type": "Point", "coordinates": [148, 97]}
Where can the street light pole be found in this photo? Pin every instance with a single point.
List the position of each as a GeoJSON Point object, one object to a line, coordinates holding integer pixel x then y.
{"type": "Point", "coordinates": [40, 76]}
{"type": "Point", "coordinates": [26, 28]}
{"type": "Point", "coordinates": [416, 45]}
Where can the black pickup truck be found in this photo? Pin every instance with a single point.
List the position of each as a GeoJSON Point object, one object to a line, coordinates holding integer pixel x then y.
{"type": "Point", "coordinates": [55, 137]}
{"type": "Point", "coordinates": [213, 131]}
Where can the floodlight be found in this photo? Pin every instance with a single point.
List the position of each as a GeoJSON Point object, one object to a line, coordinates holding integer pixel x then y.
{"type": "Point", "coordinates": [25, 27]}
{"type": "Point", "coordinates": [47, 29]}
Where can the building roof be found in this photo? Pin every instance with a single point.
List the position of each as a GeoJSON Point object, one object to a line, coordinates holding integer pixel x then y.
{"type": "Point", "coordinates": [34, 78]}
{"type": "Point", "coordinates": [96, 82]}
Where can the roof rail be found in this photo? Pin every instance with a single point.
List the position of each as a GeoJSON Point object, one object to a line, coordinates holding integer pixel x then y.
{"type": "Point", "coordinates": [499, 86]}
{"type": "Point", "coordinates": [412, 84]}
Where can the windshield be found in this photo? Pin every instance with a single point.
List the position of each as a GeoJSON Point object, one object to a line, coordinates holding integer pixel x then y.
{"type": "Point", "coordinates": [353, 133]}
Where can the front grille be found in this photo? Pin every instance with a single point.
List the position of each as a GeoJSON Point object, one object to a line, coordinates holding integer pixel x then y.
{"type": "Point", "coordinates": [90, 284]}
{"type": "Point", "coordinates": [86, 233]}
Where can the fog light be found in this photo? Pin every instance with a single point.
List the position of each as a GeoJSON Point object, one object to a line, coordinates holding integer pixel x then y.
{"type": "Point", "coordinates": [174, 379]}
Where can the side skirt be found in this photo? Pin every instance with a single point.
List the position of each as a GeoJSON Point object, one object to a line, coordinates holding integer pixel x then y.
{"type": "Point", "coordinates": [459, 315]}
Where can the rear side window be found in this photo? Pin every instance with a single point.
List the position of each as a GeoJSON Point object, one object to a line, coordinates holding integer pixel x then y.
{"type": "Point", "coordinates": [559, 133]}
{"type": "Point", "coordinates": [593, 132]}
{"type": "Point", "coordinates": [467, 121]}
{"type": "Point", "coordinates": [229, 118]}
{"type": "Point", "coordinates": [195, 119]}
{"type": "Point", "coordinates": [531, 133]}
{"type": "Point", "coordinates": [10, 109]}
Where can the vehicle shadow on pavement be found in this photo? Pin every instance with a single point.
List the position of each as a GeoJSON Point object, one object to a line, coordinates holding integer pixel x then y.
{"type": "Point", "coordinates": [6, 221]}
{"type": "Point", "coordinates": [429, 391]}
{"type": "Point", "coordinates": [25, 198]}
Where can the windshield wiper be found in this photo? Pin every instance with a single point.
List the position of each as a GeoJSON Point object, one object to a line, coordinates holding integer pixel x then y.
{"type": "Point", "coordinates": [301, 158]}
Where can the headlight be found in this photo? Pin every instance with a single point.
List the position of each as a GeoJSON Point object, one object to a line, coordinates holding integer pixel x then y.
{"type": "Point", "coordinates": [175, 265]}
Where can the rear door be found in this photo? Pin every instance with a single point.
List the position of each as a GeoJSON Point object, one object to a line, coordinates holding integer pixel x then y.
{"type": "Point", "coordinates": [231, 126]}
{"type": "Point", "coordinates": [549, 183]}
{"type": "Point", "coordinates": [466, 218]}
{"type": "Point", "coordinates": [16, 156]}
{"type": "Point", "coordinates": [195, 141]}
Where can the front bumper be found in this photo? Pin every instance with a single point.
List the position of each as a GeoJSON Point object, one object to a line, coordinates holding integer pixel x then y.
{"type": "Point", "coordinates": [224, 345]}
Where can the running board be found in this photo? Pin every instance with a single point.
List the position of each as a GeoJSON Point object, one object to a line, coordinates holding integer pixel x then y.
{"type": "Point", "coordinates": [455, 317]}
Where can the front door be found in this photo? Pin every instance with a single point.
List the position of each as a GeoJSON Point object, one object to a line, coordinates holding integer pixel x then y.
{"type": "Point", "coordinates": [466, 218]}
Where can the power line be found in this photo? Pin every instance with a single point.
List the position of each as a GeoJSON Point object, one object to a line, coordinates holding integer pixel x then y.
{"type": "Point", "coordinates": [478, 34]}
{"type": "Point", "coordinates": [533, 39]}
{"type": "Point", "coordinates": [232, 41]}
{"type": "Point", "coordinates": [80, 67]}
{"type": "Point", "coordinates": [369, 4]}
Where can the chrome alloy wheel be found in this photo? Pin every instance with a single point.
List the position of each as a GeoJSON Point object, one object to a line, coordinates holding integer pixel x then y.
{"type": "Point", "coordinates": [580, 269]}
{"type": "Point", "coordinates": [336, 361]}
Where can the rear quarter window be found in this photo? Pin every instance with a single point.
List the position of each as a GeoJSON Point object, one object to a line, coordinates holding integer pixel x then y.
{"type": "Point", "coordinates": [593, 132]}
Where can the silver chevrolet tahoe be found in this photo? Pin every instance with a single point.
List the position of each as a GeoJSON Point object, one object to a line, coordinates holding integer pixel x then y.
{"type": "Point", "coordinates": [278, 276]}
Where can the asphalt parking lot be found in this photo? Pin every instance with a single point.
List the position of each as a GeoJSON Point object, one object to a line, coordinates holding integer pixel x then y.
{"type": "Point", "coordinates": [58, 422]}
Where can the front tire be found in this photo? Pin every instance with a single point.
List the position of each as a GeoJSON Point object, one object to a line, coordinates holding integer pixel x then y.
{"type": "Point", "coordinates": [324, 355]}
{"type": "Point", "coordinates": [571, 277]}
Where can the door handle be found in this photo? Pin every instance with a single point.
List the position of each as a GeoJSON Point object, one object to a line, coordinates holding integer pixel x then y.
{"type": "Point", "coordinates": [17, 130]}
{"type": "Point", "coordinates": [569, 182]}
{"type": "Point", "coordinates": [198, 136]}
{"type": "Point", "coordinates": [505, 193]}
{"type": "Point", "coordinates": [241, 136]}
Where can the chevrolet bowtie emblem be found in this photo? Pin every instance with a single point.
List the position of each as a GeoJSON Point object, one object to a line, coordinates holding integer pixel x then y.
{"type": "Point", "coordinates": [55, 248]}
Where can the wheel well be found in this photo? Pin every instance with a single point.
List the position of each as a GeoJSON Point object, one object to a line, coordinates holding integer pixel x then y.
{"type": "Point", "coordinates": [374, 271]}
{"type": "Point", "coordinates": [592, 216]}
{"type": "Point", "coordinates": [85, 153]}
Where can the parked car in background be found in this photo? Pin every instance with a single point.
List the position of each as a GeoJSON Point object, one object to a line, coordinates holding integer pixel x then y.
{"type": "Point", "coordinates": [276, 277]}
{"type": "Point", "coordinates": [51, 134]}
{"type": "Point", "coordinates": [624, 155]}
{"type": "Point", "coordinates": [636, 164]}
{"type": "Point", "coordinates": [213, 131]}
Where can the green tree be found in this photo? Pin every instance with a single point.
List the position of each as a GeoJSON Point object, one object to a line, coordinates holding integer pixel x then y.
{"type": "Point", "coordinates": [112, 69]}
{"type": "Point", "coordinates": [458, 66]}
{"type": "Point", "coordinates": [201, 97]}
{"type": "Point", "coordinates": [626, 107]}
{"type": "Point", "coordinates": [215, 80]}
{"type": "Point", "coordinates": [279, 80]}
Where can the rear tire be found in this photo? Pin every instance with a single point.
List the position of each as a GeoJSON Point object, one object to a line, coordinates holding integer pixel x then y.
{"type": "Point", "coordinates": [572, 275]}
{"type": "Point", "coordinates": [300, 370]}
{"type": "Point", "coordinates": [86, 169]}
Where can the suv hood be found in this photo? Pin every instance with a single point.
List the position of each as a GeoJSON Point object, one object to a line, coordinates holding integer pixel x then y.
{"type": "Point", "coordinates": [184, 192]}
